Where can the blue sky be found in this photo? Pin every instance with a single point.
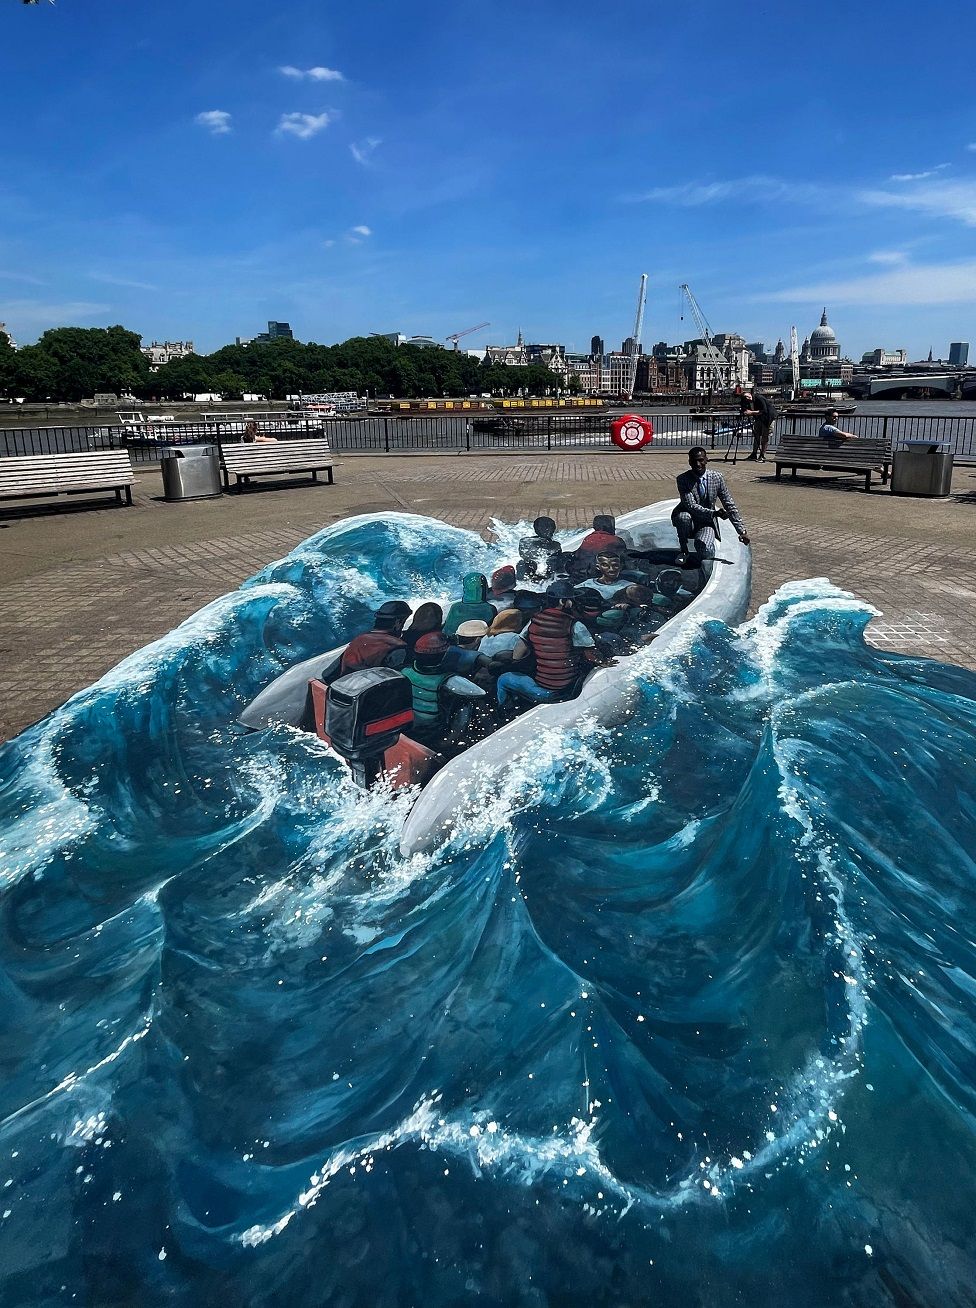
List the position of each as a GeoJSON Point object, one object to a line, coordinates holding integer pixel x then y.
{"type": "Point", "coordinates": [196, 167]}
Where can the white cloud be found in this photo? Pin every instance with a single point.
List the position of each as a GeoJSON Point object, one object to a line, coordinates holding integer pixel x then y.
{"type": "Point", "coordinates": [327, 245]}
{"type": "Point", "coordinates": [924, 284]}
{"type": "Point", "coordinates": [888, 257]}
{"type": "Point", "coordinates": [917, 177]}
{"type": "Point", "coordinates": [316, 74]}
{"type": "Point", "coordinates": [361, 150]}
{"type": "Point", "coordinates": [111, 280]}
{"type": "Point", "coordinates": [363, 230]}
{"type": "Point", "coordinates": [936, 200]}
{"type": "Point", "coordinates": [7, 275]}
{"type": "Point", "coordinates": [304, 126]}
{"type": "Point", "coordinates": [217, 120]}
{"type": "Point", "coordinates": [750, 190]}
{"type": "Point", "coordinates": [971, 145]}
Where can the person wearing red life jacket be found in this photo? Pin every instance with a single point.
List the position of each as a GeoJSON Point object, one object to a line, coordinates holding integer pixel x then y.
{"type": "Point", "coordinates": [381, 647]}
{"type": "Point", "coordinates": [561, 646]}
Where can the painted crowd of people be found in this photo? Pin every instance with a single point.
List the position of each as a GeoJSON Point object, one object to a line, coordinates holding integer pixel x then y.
{"type": "Point", "coordinates": [527, 635]}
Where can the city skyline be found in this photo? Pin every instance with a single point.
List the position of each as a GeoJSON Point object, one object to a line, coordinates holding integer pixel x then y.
{"type": "Point", "coordinates": [420, 171]}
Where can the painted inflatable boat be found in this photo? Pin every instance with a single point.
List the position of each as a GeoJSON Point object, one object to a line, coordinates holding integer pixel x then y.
{"type": "Point", "coordinates": [375, 739]}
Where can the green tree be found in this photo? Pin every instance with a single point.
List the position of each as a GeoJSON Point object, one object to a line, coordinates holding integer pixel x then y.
{"type": "Point", "coordinates": [187, 376]}
{"type": "Point", "coordinates": [230, 384]}
{"type": "Point", "coordinates": [89, 359]}
{"type": "Point", "coordinates": [35, 375]}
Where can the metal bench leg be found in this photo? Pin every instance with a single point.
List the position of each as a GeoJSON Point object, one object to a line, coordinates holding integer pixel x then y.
{"type": "Point", "coordinates": [867, 481]}
{"type": "Point", "coordinates": [779, 469]}
{"type": "Point", "coordinates": [128, 496]}
{"type": "Point", "coordinates": [793, 471]}
{"type": "Point", "coordinates": [331, 478]}
{"type": "Point", "coordinates": [315, 475]}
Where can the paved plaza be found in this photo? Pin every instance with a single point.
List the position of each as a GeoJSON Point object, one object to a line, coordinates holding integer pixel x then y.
{"type": "Point", "coordinates": [82, 587]}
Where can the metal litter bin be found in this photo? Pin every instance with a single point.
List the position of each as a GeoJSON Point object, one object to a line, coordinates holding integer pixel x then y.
{"type": "Point", "coordinates": [190, 472]}
{"type": "Point", "coordinates": [921, 467]}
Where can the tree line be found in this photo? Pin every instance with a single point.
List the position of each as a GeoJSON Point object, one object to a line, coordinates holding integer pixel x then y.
{"type": "Point", "coordinates": [74, 363]}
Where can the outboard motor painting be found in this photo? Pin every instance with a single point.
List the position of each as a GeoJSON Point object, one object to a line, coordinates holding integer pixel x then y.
{"type": "Point", "coordinates": [674, 1005]}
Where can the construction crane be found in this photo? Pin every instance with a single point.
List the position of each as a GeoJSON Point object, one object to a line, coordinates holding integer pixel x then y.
{"type": "Point", "coordinates": [795, 361]}
{"type": "Point", "coordinates": [635, 342]}
{"type": "Point", "coordinates": [467, 332]}
{"type": "Point", "coordinates": [700, 319]}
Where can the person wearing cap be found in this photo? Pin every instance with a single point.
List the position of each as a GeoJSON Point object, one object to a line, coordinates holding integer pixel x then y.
{"type": "Point", "coordinates": [442, 700]}
{"type": "Point", "coordinates": [763, 413]}
{"type": "Point", "coordinates": [503, 634]}
{"type": "Point", "coordinates": [381, 646]}
{"type": "Point", "coordinates": [562, 648]}
{"type": "Point", "coordinates": [465, 657]}
{"type": "Point", "coordinates": [472, 604]}
{"type": "Point", "coordinates": [829, 430]}
{"type": "Point", "coordinates": [501, 590]}
{"type": "Point", "coordinates": [540, 556]}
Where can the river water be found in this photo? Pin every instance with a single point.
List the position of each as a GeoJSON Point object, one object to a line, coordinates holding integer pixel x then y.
{"type": "Point", "coordinates": [690, 1019]}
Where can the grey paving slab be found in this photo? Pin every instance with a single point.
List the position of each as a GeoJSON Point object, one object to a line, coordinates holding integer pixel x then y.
{"type": "Point", "coordinates": [80, 590]}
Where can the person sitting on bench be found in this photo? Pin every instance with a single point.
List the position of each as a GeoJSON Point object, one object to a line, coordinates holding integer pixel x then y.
{"type": "Point", "coordinates": [829, 431]}
{"type": "Point", "coordinates": [698, 514]}
{"type": "Point", "coordinates": [251, 434]}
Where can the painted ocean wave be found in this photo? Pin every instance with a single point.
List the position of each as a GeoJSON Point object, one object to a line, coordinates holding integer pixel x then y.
{"type": "Point", "coordinates": [685, 1016]}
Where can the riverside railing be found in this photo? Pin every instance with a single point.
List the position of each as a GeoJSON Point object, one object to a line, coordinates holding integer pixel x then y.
{"type": "Point", "coordinates": [458, 434]}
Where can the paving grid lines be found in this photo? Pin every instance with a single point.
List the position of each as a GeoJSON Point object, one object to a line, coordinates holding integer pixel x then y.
{"type": "Point", "coordinates": [76, 612]}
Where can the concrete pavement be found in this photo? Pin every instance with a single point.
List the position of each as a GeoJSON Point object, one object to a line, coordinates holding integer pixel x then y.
{"type": "Point", "coordinates": [82, 587]}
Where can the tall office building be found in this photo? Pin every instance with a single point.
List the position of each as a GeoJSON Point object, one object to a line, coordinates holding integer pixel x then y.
{"type": "Point", "coordinates": [596, 345]}
{"type": "Point", "coordinates": [277, 331]}
{"type": "Point", "coordinates": [959, 354]}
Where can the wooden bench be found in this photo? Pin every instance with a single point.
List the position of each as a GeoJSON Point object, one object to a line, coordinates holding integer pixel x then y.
{"type": "Point", "coordinates": [268, 458]}
{"type": "Point", "coordinates": [29, 475]}
{"type": "Point", "coordinates": [862, 456]}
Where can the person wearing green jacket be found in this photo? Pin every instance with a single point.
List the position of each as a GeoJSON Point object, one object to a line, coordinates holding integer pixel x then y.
{"type": "Point", "coordinates": [442, 700]}
{"type": "Point", "coordinates": [472, 606]}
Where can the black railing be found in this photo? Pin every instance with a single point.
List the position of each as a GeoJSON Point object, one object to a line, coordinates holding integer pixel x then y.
{"type": "Point", "coordinates": [487, 434]}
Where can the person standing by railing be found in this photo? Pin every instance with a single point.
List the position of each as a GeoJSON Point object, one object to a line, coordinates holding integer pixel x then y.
{"type": "Point", "coordinates": [763, 413]}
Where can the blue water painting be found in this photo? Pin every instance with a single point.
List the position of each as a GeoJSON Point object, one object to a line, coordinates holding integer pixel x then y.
{"type": "Point", "coordinates": [692, 1021]}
